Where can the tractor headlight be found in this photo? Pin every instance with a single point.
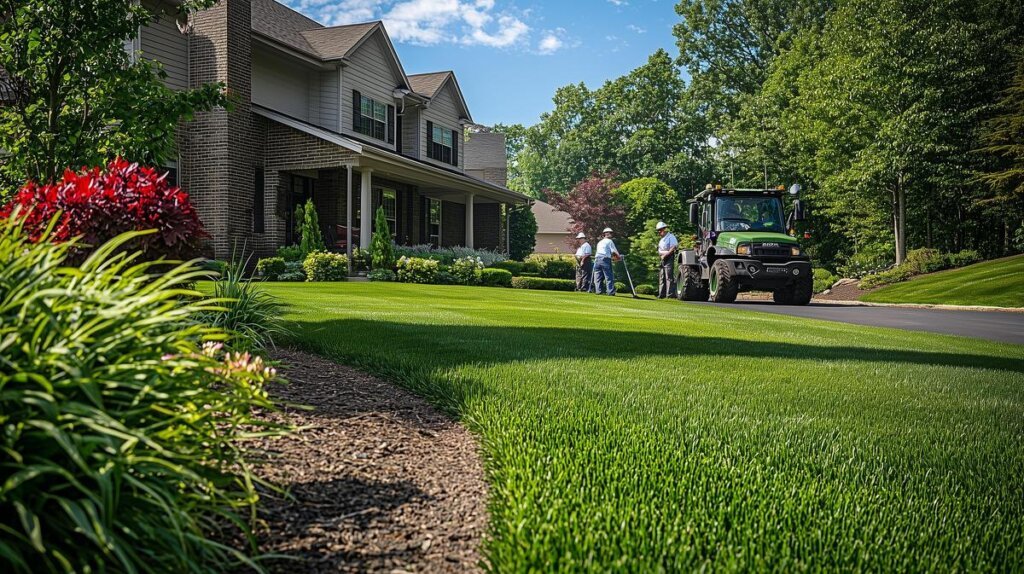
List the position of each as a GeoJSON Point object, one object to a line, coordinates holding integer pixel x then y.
{"type": "Point", "coordinates": [743, 249]}
{"type": "Point", "coordinates": [795, 251]}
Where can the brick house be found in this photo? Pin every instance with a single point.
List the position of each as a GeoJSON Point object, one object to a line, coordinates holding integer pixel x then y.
{"type": "Point", "coordinates": [326, 113]}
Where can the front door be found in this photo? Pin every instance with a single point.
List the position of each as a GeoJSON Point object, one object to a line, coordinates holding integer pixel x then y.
{"type": "Point", "coordinates": [298, 190]}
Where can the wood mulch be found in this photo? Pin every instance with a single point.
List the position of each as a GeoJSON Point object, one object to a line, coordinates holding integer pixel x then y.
{"type": "Point", "coordinates": [377, 479]}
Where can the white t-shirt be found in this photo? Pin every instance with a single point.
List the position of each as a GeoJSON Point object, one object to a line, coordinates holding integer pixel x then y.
{"type": "Point", "coordinates": [584, 250]}
{"type": "Point", "coordinates": [606, 247]}
{"type": "Point", "coordinates": [667, 242]}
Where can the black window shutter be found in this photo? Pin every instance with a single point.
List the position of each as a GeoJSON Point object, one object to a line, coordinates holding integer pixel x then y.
{"type": "Point", "coordinates": [357, 116]}
{"type": "Point", "coordinates": [391, 124]}
{"type": "Point", "coordinates": [258, 204]}
{"type": "Point", "coordinates": [430, 140]}
{"type": "Point", "coordinates": [455, 148]}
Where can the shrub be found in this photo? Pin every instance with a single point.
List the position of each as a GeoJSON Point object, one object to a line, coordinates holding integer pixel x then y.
{"type": "Point", "coordinates": [290, 253]}
{"type": "Point", "coordinates": [894, 275]}
{"type": "Point", "coordinates": [559, 269]}
{"type": "Point", "coordinates": [514, 267]}
{"type": "Point", "coordinates": [100, 205]}
{"type": "Point", "coordinates": [270, 267]}
{"type": "Point", "coordinates": [382, 275]}
{"type": "Point", "coordinates": [864, 263]}
{"type": "Point", "coordinates": [543, 283]}
{"type": "Point", "coordinates": [823, 279]}
{"type": "Point", "coordinates": [925, 261]}
{"type": "Point", "coordinates": [417, 270]}
{"type": "Point", "coordinates": [360, 259]}
{"type": "Point", "coordinates": [324, 266]}
{"type": "Point", "coordinates": [293, 271]}
{"type": "Point", "coordinates": [525, 274]}
{"type": "Point", "coordinates": [493, 277]}
{"type": "Point", "coordinates": [249, 314]}
{"type": "Point", "coordinates": [312, 238]}
{"type": "Point", "coordinates": [531, 267]}
{"type": "Point", "coordinates": [444, 277]}
{"type": "Point", "coordinates": [448, 255]}
{"type": "Point", "coordinates": [621, 287]}
{"type": "Point", "coordinates": [466, 270]}
{"type": "Point", "coordinates": [486, 256]}
{"type": "Point", "coordinates": [382, 255]}
{"type": "Point", "coordinates": [963, 258]}
{"type": "Point", "coordinates": [122, 449]}
{"type": "Point", "coordinates": [646, 289]}
{"type": "Point", "coordinates": [522, 231]}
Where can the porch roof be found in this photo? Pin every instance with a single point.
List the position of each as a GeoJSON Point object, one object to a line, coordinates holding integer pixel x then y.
{"type": "Point", "coordinates": [436, 180]}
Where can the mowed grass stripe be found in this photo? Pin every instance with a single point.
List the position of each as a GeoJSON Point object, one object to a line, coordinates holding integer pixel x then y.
{"type": "Point", "coordinates": [644, 435]}
{"type": "Point", "coordinates": [997, 283]}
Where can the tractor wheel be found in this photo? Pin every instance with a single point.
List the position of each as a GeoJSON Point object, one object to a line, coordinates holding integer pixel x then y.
{"type": "Point", "coordinates": [783, 295]}
{"type": "Point", "coordinates": [798, 292]}
{"type": "Point", "coordinates": [689, 286]}
{"type": "Point", "coordinates": [722, 284]}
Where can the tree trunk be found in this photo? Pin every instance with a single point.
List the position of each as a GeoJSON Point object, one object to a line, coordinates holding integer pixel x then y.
{"type": "Point", "coordinates": [901, 238]}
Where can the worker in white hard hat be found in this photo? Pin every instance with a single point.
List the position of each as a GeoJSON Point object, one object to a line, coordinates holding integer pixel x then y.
{"type": "Point", "coordinates": [667, 247]}
{"type": "Point", "coordinates": [584, 264]}
{"type": "Point", "coordinates": [606, 253]}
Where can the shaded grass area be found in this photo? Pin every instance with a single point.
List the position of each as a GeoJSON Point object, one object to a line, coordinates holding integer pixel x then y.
{"type": "Point", "coordinates": [625, 435]}
{"type": "Point", "coordinates": [997, 283]}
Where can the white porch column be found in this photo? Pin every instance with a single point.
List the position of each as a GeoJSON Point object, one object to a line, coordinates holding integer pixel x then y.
{"type": "Point", "coordinates": [365, 217]}
{"type": "Point", "coordinates": [469, 220]}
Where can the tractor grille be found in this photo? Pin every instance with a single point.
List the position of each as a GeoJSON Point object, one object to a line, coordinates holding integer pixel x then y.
{"type": "Point", "coordinates": [778, 250]}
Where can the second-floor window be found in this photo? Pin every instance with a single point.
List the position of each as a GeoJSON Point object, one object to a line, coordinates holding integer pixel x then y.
{"type": "Point", "coordinates": [442, 144]}
{"type": "Point", "coordinates": [372, 118]}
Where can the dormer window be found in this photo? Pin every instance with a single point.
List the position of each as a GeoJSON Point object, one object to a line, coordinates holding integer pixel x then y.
{"type": "Point", "coordinates": [372, 118]}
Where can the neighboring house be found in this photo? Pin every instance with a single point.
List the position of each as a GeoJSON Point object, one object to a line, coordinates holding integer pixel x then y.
{"type": "Point", "coordinates": [553, 233]}
{"type": "Point", "coordinates": [326, 113]}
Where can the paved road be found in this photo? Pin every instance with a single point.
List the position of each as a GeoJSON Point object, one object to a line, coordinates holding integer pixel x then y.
{"type": "Point", "coordinates": [991, 325]}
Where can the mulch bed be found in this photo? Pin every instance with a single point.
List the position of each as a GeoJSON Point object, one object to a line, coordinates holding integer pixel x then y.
{"type": "Point", "coordinates": [378, 480]}
{"type": "Point", "coordinates": [845, 292]}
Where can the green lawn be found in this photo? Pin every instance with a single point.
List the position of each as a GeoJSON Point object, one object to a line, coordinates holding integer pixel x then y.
{"type": "Point", "coordinates": [643, 436]}
{"type": "Point", "coordinates": [998, 283]}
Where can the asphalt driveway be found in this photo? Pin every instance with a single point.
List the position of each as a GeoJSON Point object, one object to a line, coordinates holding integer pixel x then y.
{"type": "Point", "coordinates": [992, 325]}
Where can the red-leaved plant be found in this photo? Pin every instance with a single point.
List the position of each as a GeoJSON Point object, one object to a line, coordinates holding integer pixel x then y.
{"type": "Point", "coordinates": [98, 205]}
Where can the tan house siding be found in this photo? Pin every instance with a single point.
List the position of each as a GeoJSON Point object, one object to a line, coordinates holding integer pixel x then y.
{"type": "Point", "coordinates": [162, 42]}
{"type": "Point", "coordinates": [552, 243]}
{"type": "Point", "coordinates": [411, 131]}
{"type": "Point", "coordinates": [327, 98]}
{"type": "Point", "coordinates": [443, 112]}
{"type": "Point", "coordinates": [281, 85]}
{"type": "Point", "coordinates": [372, 74]}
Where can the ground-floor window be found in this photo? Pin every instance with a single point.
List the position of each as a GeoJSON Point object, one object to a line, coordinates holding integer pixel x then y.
{"type": "Point", "coordinates": [298, 190]}
{"type": "Point", "coordinates": [388, 199]}
{"type": "Point", "coordinates": [432, 222]}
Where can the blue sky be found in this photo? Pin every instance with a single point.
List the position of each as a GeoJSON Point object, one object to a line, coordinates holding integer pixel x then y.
{"type": "Point", "coordinates": [511, 55]}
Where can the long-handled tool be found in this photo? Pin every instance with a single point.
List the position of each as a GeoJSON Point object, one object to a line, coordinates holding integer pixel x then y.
{"type": "Point", "coordinates": [626, 267]}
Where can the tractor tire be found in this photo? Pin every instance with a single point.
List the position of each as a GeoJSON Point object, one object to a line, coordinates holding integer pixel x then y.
{"type": "Point", "coordinates": [799, 292]}
{"type": "Point", "coordinates": [722, 284]}
{"type": "Point", "coordinates": [689, 286]}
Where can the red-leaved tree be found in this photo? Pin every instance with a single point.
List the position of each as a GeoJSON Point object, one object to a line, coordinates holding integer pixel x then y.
{"type": "Point", "coordinates": [97, 205]}
{"type": "Point", "coordinates": [592, 207]}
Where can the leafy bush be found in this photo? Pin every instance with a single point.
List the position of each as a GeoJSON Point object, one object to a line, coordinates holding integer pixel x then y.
{"type": "Point", "coordinates": [324, 266]}
{"type": "Point", "coordinates": [444, 277]}
{"type": "Point", "coordinates": [925, 261]}
{"type": "Point", "coordinates": [963, 258]}
{"type": "Point", "coordinates": [382, 254]}
{"type": "Point", "coordinates": [894, 275]}
{"type": "Point", "coordinates": [522, 231]}
{"type": "Point", "coordinates": [823, 279]}
{"type": "Point", "coordinates": [531, 267]}
{"type": "Point", "coordinates": [525, 274]}
{"type": "Point", "coordinates": [646, 289]}
{"type": "Point", "coordinates": [360, 259]}
{"type": "Point", "coordinates": [312, 237]}
{"type": "Point", "coordinates": [270, 267]}
{"type": "Point", "coordinates": [559, 269]}
{"type": "Point", "coordinates": [621, 287]}
{"type": "Point", "coordinates": [121, 449]}
{"type": "Point", "coordinates": [864, 263]}
{"type": "Point", "coordinates": [290, 253]}
{"type": "Point", "coordinates": [447, 255]}
{"type": "Point", "coordinates": [293, 271]}
{"type": "Point", "coordinates": [417, 270]}
{"type": "Point", "coordinates": [543, 283]}
{"type": "Point", "coordinates": [100, 205]}
{"type": "Point", "coordinates": [918, 262]}
{"type": "Point", "coordinates": [382, 275]}
{"type": "Point", "coordinates": [514, 267]}
{"type": "Point", "coordinates": [250, 315]}
{"type": "Point", "coordinates": [466, 270]}
{"type": "Point", "coordinates": [494, 277]}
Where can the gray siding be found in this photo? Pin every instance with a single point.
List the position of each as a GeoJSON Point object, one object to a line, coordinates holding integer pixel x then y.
{"type": "Point", "coordinates": [162, 42]}
{"type": "Point", "coordinates": [327, 96]}
{"type": "Point", "coordinates": [281, 85]}
{"type": "Point", "coordinates": [371, 73]}
{"type": "Point", "coordinates": [411, 131]}
{"type": "Point", "coordinates": [442, 112]}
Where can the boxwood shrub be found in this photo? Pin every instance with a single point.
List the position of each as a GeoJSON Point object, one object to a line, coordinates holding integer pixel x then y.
{"type": "Point", "coordinates": [646, 289]}
{"type": "Point", "coordinates": [324, 266]}
{"type": "Point", "coordinates": [513, 267]}
{"type": "Point", "coordinates": [270, 268]}
{"type": "Point", "coordinates": [543, 283]}
{"type": "Point", "coordinates": [492, 277]}
{"type": "Point", "coordinates": [559, 269]}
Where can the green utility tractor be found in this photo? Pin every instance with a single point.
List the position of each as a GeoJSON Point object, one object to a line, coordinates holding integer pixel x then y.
{"type": "Point", "coordinates": [745, 243]}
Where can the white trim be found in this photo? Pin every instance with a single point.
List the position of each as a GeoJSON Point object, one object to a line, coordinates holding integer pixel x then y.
{"type": "Point", "coordinates": [323, 134]}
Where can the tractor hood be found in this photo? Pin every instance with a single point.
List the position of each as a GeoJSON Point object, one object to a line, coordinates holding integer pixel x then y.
{"type": "Point", "coordinates": [731, 239]}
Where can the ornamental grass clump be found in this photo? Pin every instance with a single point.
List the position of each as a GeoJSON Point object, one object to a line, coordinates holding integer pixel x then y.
{"type": "Point", "coordinates": [122, 415]}
{"type": "Point", "coordinates": [249, 314]}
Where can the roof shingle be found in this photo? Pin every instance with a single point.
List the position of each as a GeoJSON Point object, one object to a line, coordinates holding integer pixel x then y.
{"type": "Point", "coordinates": [428, 84]}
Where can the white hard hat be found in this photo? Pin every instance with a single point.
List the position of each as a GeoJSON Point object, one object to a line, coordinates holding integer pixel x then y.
{"type": "Point", "coordinates": [581, 235]}
{"type": "Point", "coordinates": [661, 225]}
{"type": "Point", "coordinates": [607, 230]}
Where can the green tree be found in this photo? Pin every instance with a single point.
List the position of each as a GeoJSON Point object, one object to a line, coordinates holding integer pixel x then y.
{"type": "Point", "coordinates": [522, 232]}
{"type": "Point", "coordinates": [312, 237]}
{"type": "Point", "coordinates": [647, 200]}
{"type": "Point", "coordinates": [71, 94]}
{"type": "Point", "coordinates": [382, 252]}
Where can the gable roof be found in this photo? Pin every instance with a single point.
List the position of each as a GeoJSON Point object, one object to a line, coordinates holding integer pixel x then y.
{"type": "Point", "coordinates": [549, 219]}
{"type": "Point", "coordinates": [338, 41]}
{"type": "Point", "coordinates": [281, 23]}
{"type": "Point", "coordinates": [430, 84]}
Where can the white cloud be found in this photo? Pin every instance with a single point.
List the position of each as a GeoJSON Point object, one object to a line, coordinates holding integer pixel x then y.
{"type": "Point", "coordinates": [637, 29]}
{"type": "Point", "coordinates": [619, 2]}
{"type": "Point", "coordinates": [549, 44]}
{"type": "Point", "coordinates": [427, 22]}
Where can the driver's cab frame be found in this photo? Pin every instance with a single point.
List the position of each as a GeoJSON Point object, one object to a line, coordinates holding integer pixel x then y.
{"type": "Point", "coordinates": [703, 213]}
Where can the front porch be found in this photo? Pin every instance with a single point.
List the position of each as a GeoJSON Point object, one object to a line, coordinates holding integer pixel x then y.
{"type": "Point", "coordinates": [348, 181]}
